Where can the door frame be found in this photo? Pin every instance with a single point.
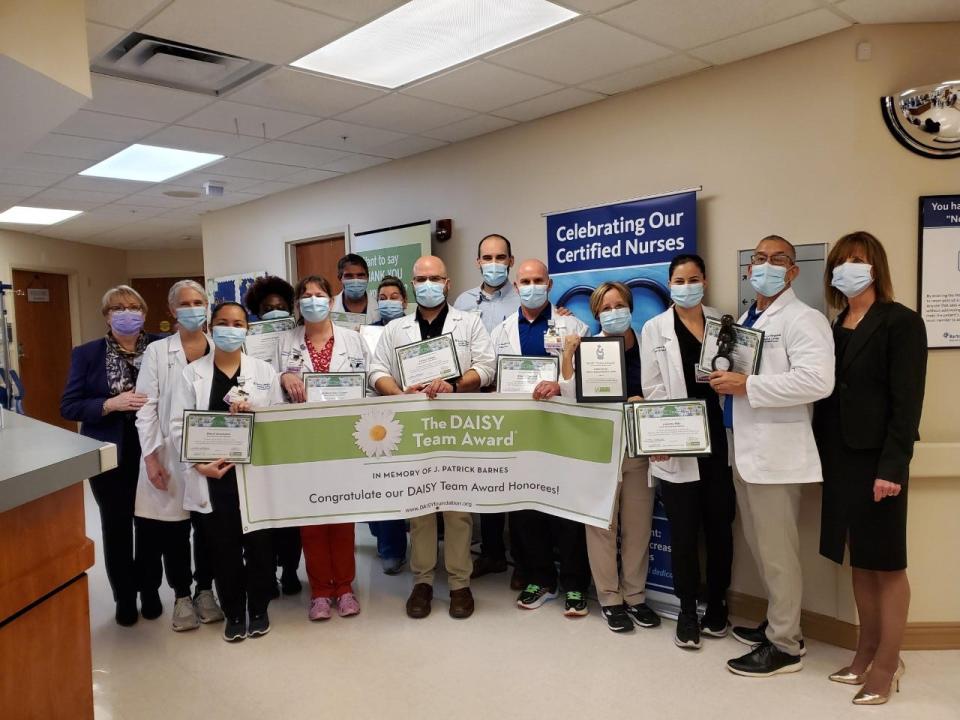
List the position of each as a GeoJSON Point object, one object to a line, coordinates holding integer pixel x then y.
{"type": "Point", "coordinates": [73, 293]}
{"type": "Point", "coordinates": [290, 247]}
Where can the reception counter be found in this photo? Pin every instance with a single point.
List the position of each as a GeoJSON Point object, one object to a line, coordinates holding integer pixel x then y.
{"type": "Point", "coordinates": [45, 662]}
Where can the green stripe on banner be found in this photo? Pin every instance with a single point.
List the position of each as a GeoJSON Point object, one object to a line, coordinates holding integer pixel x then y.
{"type": "Point", "coordinates": [379, 432]}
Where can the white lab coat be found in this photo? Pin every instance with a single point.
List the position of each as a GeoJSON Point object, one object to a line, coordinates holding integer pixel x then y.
{"type": "Point", "coordinates": [773, 439]}
{"type": "Point", "coordinates": [661, 372]}
{"type": "Point", "coordinates": [373, 309]}
{"type": "Point", "coordinates": [350, 352]}
{"type": "Point", "coordinates": [506, 336]}
{"type": "Point", "coordinates": [474, 349]}
{"type": "Point", "coordinates": [160, 370]}
{"type": "Point", "coordinates": [192, 392]}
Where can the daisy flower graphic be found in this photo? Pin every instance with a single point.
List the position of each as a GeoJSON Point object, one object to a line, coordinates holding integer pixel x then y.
{"type": "Point", "coordinates": [377, 433]}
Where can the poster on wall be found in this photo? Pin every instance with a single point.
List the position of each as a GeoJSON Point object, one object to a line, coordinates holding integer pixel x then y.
{"type": "Point", "coordinates": [393, 251]}
{"type": "Point", "coordinates": [938, 288]}
{"type": "Point", "coordinates": [231, 288]}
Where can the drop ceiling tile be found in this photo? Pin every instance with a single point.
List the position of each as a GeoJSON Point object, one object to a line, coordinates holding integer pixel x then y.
{"type": "Point", "coordinates": [195, 181]}
{"type": "Point", "coordinates": [303, 92]}
{"type": "Point", "coordinates": [781, 34]}
{"type": "Point", "coordinates": [262, 29]}
{"type": "Point", "coordinates": [129, 213]}
{"type": "Point", "coordinates": [142, 100]}
{"type": "Point", "coordinates": [270, 187]}
{"type": "Point", "coordinates": [898, 11]}
{"type": "Point", "coordinates": [83, 226]}
{"type": "Point", "coordinates": [409, 146]}
{"type": "Point", "coordinates": [355, 162]}
{"type": "Point", "coordinates": [155, 199]}
{"type": "Point", "coordinates": [646, 74]}
{"type": "Point", "coordinates": [205, 141]}
{"type": "Point", "coordinates": [68, 198]}
{"type": "Point", "coordinates": [44, 201]}
{"type": "Point", "coordinates": [405, 114]}
{"type": "Point", "coordinates": [101, 126]}
{"type": "Point", "coordinates": [107, 185]}
{"type": "Point", "coordinates": [18, 192]}
{"type": "Point", "coordinates": [7, 202]}
{"type": "Point", "coordinates": [49, 163]}
{"type": "Point", "coordinates": [688, 23]}
{"type": "Point", "coordinates": [338, 135]}
{"type": "Point", "coordinates": [122, 13]}
{"type": "Point", "coordinates": [549, 104]}
{"type": "Point", "coordinates": [80, 148]}
{"type": "Point", "coordinates": [250, 169]}
{"type": "Point", "coordinates": [482, 87]}
{"type": "Point", "coordinates": [591, 6]}
{"type": "Point", "coordinates": [305, 177]}
{"type": "Point", "coordinates": [579, 52]}
{"type": "Point", "coordinates": [292, 154]}
{"type": "Point", "coordinates": [233, 117]}
{"type": "Point", "coordinates": [228, 200]}
{"type": "Point", "coordinates": [362, 11]}
{"type": "Point", "coordinates": [30, 178]}
{"type": "Point", "coordinates": [471, 127]}
{"type": "Point", "coordinates": [101, 37]}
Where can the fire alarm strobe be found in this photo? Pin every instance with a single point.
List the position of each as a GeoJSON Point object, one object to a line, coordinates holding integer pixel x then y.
{"type": "Point", "coordinates": [212, 189]}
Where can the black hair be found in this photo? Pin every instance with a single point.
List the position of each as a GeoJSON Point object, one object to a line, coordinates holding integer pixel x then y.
{"type": "Point", "coordinates": [263, 288]}
{"type": "Point", "coordinates": [351, 259]}
{"type": "Point", "coordinates": [683, 260]}
{"type": "Point", "coordinates": [227, 303]}
{"type": "Point", "coordinates": [495, 235]}
{"type": "Point", "coordinates": [395, 282]}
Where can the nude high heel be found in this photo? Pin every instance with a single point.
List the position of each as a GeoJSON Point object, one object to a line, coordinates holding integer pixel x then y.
{"type": "Point", "coordinates": [867, 698]}
{"type": "Point", "coordinates": [843, 675]}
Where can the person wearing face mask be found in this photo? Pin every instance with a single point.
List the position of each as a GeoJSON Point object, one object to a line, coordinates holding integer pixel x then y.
{"type": "Point", "coordinates": [433, 318]}
{"type": "Point", "coordinates": [774, 451]}
{"type": "Point", "coordinates": [865, 431]}
{"type": "Point", "coordinates": [621, 586]}
{"type": "Point", "coordinates": [354, 276]}
{"type": "Point", "coordinates": [101, 394]}
{"type": "Point", "coordinates": [162, 523]}
{"type": "Point", "coordinates": [534, 534]}
{"type": "Point", "coordinates": [228, 380]}
{"type": "Point", "coordinates": [697, 492]}
{"type": "Point", "coordinates": [271, 298]}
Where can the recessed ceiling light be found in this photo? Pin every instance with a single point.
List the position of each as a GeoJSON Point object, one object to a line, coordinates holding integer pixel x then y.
{"type": "Point", "coordinates": [22, 215]}
{"type": "Point", "coordinates": [149, 163]}
{"type": "Point", "coordinates": [425, 36]}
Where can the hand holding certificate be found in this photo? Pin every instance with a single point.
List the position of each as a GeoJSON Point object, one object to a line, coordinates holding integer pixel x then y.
{"type": "Point", "coordinates": [521, 374]}
{"type": "Point", "coordinates": [601, 370]}
{"type": "Point", "coordinates": [330, 387]}
{"type": "Point", "coordinates": [667, 427]}
{"type": "Point", "coordinates": [423, 362]}
{"type": "Point", "coordinates": [263, 339]}
{"type": "Point", "coordinates": [209, 436]}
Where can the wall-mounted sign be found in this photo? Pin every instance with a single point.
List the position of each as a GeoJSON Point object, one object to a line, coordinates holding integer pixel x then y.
{"type": "Point", "coordinates": [938, 287]}
{"type": "Point", "coordinates": [38, 295]}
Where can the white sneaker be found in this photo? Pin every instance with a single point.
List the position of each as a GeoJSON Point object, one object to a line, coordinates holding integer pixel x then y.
{"type": "Point", "coordinates": [184, 616]}
{"type": "Point", "coordinates": [206, 607]}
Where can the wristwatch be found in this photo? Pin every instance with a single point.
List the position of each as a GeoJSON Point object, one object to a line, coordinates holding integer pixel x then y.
{"type": "Point", "coordinates": [454, 383]}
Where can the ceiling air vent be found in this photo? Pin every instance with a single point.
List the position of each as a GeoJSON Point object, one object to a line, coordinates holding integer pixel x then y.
{"type": "Point", "coordinates": [176, 65]}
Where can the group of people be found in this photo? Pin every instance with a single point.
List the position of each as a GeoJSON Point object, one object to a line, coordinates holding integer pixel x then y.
{"type": "Point", "coordinates": [836, 404]}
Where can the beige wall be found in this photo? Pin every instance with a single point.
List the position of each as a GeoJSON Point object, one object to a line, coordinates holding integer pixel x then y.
{"type": "Point", "coordinates": [790, 142]}
{"type": "Point", "coordinates": [165, 263]}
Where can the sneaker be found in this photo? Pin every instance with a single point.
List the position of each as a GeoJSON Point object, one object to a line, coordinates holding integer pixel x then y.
{"type": "Point", "coordinates": [765, 660]}
{"type": "Point", "coordinates": [642, 615]}
{"type": "Point", "coordinates": [348, 605]}
{"type": "Point", "coordinates": [714, 622]}
{"type": "Point", "coordinates": [150, 606]}
{"type": "Point", "coordinates": [319, 609]}
{"type": "Point", "coordinates": [617, 618]}
{"type": "Point", "coordinates": [127, 613]}
{"type": "Point", "coordinates": [259, 625]}
{"type": "Point", "coordinates": [391, 566]}
{"type": "Point", "coordinates": [184, 616]}
{"type": "Point", "coordinates": [758, 636]}
{"type": "Point", "coordinates": [575, 604]}
{"type": "Point", "coordinates": [289, 583]}
{"type": "Point", "coordinates": [534, 596]}
{"type": "Point", "coordinates": [235, 629]}
{"type": "Point", "coordinates": [205, 605]}
{"type": "Point", "coordinates": [688, 631]}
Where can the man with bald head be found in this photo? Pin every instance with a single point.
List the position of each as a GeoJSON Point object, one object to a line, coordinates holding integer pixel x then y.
{"type": "Point", "coordinates": [434, 317]}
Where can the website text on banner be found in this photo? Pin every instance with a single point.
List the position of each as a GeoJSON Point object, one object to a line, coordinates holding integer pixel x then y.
{"type": "Point", "coordinates": [385, 458]}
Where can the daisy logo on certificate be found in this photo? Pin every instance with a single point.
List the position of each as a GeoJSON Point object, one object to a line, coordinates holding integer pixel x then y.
{"type": "Point", "coordinates": [377, 433]}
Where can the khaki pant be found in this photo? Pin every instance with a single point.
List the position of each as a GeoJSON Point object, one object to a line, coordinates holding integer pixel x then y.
{"type": "Point", "coordinates": [633, 514]}
{"type": "Point", "coordinates": [457, 535]}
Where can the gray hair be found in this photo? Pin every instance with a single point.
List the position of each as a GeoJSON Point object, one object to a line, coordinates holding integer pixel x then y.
{"type": "Point", "coordinates": [185, 285]}
{"type": "Point", "coordinates": [110, 295]}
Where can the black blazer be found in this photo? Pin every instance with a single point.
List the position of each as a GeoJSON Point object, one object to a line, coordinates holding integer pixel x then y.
{"type": "Point", "coordinates": [879, 386]}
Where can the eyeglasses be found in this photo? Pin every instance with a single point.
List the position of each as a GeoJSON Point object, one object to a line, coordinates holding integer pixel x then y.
{"type": "Point", "coordinates": [121, 308]}
{"type": "Point", "coordinates": [780, 259]}
{"type": "Point", "coordinates": [428, 278]}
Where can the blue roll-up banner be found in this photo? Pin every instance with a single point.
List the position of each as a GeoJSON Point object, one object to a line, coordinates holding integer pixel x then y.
{"type": "Point", "coordinates": [633, 242]}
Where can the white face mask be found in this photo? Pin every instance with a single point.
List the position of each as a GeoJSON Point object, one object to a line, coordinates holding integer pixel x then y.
{"type": "Point", "coordinates": [852, 278]}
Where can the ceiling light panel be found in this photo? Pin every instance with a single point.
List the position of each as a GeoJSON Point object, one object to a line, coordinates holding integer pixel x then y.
{"type": "Point", "coordinates": [423, 37]}
{"type": "Point", "coordinates": [148, 163]}
{"type": "Point", "coordinates": [22, 215]}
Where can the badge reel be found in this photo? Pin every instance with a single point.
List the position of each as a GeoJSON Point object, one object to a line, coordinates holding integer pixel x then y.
{"type": "Point", "coordinates": [553, 339]}
{"type": "Point", "coordinates": [295, 362]}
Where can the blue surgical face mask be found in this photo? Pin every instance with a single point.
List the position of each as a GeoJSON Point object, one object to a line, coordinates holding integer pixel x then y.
{"type": "Point", "coordinates": [274, 315]}
{"type": "Point", "coordinates": [616, 321]}
{"type": "Point", "coordinates": [533, 296]}
{"type": "Point", "coordinates": [354, 289]}
{"type": "Point", "coordinates": [390, 309]}
{"type": "Point", "coordinates": [852, 278]}
{"type": "Point", "coordinates": [191, 318]}
{"type": "Point", "coordinates": [429, 294]}
{"type": "Point", "coordinates": [494, 274]}
{"type": "Point", "coordinates": [227, 338]}
{"type": "Point", "coordinates": [126, 322]}
{"type": "Point", "coordinates": [687, 296]}
{"type": "Point", "coordinates": [768, 280]}
{"type": "Point", "coordinates": [315, 309]}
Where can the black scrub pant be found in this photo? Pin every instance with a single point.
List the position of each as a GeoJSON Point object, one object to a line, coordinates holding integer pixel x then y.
{"type": "Point", "coordinates": [287, 548]}
{"type": "Point", "coordinates": [710, 503]}
{"type": "Point", "coordinates": [491, 535]}
{"type": "Point", "coordinates": [163, 545]}
{"type": "Point", "coordinates": [539, 533]}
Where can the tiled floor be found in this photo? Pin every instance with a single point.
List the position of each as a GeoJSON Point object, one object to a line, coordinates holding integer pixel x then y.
{"type": "Point", "coordinates": [501, 663]}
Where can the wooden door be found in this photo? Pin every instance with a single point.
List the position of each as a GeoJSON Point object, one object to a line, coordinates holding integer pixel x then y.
{"type": "Point", "coordinates": [320, 257]}
{"type": "Point", "coordinates": [155, 291]}
{"type": "Point", "coordinates": [43, 341]}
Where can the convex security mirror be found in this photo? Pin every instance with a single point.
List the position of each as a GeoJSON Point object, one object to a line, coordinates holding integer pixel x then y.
{"type": "Point", "coordinates": [926, 119]}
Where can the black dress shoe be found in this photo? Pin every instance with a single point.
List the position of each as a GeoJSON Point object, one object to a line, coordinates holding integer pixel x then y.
{"type": "Point", "coordinates": [150, 606]}
{"type": "Point", "coordinates": [765, 660]}
{"type": "Point", "coordinates": [289, 583]}
{"type": "Point", "coordinates": [485, 565]}
{"type": "Point", "coordinates": [517, 579]}
{"type": "Point", "coordinates": [758, 635]}
{"type": "Point", "coordinates": [127, 614]}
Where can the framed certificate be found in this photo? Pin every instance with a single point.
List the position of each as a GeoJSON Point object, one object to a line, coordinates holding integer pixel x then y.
{"type": "Point", "coordinates": [427, 360]}
{"type": "Point", "coordinates": [744, 350]}
{"type": "Point", "coordinates": [601, 370]}
{"type": "Point", "coordinates": [667, 427]}
{"type": "Point", "coordinates": [329, 387]}
{"type": "Point", "coordinates": [348, 320]}
{"type": "Point", "coordinates": [522, 373]}
{"type": "Point", "coordinates": [263, 339]}
{"type": "Point", "coordinates": [209, 436]}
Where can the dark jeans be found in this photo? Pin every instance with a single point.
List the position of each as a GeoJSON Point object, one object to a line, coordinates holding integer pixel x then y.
{"type": "Point", "coordinates": [391, 538]}
{"type": "Point", "coordinates": [491, 535]}
{"type": "Point", "coordinates": [287, 548]}
{"type": "Point", "coordinates": [710, 503]}
{"type": "Point", "coordinates": [539, 533]}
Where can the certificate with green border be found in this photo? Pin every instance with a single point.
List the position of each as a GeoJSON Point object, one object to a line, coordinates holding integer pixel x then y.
{"type": "Point", "coordinates": [331, 387]}
{"type": "Point", "coordinates": [348, 320]}
{"type": "Point", "coordinates": [428, 360]}
{"type": "Point", "coordinates": [667, 427]}
{"type": "Point", "coordinates": [263, 339]}
{"type": "Point", "coordinates": [522, 373]}
{"type": "Point", "coordinates": [209, 436]}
